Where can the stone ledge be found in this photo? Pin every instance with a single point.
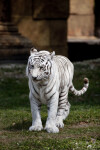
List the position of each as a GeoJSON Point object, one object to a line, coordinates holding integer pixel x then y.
{"type": "Point", "coordinates": [84, 39]}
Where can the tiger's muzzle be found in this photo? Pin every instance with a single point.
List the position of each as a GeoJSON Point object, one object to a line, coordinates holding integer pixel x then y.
{"type": "Point", "coordinates": [34, 78]}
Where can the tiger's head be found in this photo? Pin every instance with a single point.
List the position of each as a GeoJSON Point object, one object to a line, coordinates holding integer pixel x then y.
{"type": "Point", "coordinates": [39, 65]}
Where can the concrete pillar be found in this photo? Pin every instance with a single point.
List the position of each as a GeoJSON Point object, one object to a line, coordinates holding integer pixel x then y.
{"type": "Point", "coordinates": [5, 11]}
{"type": "Point", "coordinates": [50, 25]}
{"type": "Point", "coordinates": [97, 18]}
{"type": "Point", "coordinates": [81, 19]}
{"type": "Point", "coordinates": [13, 46]}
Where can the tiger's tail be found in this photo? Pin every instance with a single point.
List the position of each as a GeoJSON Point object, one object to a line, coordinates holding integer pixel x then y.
{"type": "Point", "coordinates": [82, 91]}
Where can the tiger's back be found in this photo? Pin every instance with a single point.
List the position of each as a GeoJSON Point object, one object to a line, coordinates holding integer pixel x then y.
{"type": "Point", "coordinates": [65, 70]}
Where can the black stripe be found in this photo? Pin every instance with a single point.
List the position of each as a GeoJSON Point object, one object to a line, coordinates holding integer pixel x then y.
{"type": "Point", "coordinates": [60, 100]}
{"type": "Point", "coordinates": [36, 98]}
{"type": "Point", "coordinates": [50, 66]}
{"type": "Point", "coordinates": [50, 89]}
{"type": "Point", "coordinates": [59, 104]}
{"type": "Point", "coordinates": [39, 107]}
{"type": "Point", "coordinates": [62, 95]}
{"type": "Point", "coordinates": [42, 60]}
{"type": "Point", "coordinates": [61, 108]}
{"type": "Point", "coordinates": [62, 91]}
{"type": "Point", "coordinates": [66, 109]}
{"type": "Point", "coordinates": [51, 96]}
{"type": "Point", "coordinates": [35, 90]}
{"type": "Point", "coordinates": [59, 114]}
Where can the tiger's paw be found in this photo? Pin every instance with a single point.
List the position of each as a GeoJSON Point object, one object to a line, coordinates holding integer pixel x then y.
{"type": "Point", "coordinates": [52, 129]}
{"type": "Point", "coordinates": [59, 122]}
{"type": "Point", "coordinates": [35, 128]}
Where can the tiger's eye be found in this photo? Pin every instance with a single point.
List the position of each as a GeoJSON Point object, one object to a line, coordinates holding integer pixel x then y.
{"type": "Point", "coordinates": [32, 66]}
{"type": "Point", "coordinates": [41, 67]}
{"type": "Point", "coordinates": [47, 73]}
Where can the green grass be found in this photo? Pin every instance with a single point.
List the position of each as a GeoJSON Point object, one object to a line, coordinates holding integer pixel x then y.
{"type": "Point", "coordinates": [82, 127]}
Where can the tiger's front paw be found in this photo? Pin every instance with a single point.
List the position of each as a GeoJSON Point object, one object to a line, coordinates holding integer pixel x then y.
{"type": "Point", "coordinates": [51, 129]}
{"type": "Point", "coordinates": [35, 128]}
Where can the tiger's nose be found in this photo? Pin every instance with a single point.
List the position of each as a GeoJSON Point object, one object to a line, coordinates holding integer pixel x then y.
{"type": "Point", "coordinates": [34, 78]}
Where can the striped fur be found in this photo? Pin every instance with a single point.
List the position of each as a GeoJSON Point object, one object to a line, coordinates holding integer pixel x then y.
{"type": "Point", "coordinates": [50, 79]}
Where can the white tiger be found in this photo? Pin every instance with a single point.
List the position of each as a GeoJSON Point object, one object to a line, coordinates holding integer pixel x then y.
{"type": "Point", "coordinates": [50, 79]}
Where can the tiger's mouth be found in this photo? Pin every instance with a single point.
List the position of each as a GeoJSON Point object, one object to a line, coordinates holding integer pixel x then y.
{"type": "Point", "coordinates": [39, 80]}
{"type": "Point", "coordinates": [36, 79]}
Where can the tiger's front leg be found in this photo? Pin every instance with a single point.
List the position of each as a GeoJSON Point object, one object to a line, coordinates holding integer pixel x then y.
{"type": "Point", "coordinates": [52, 112]}
{"type": "Point", "coordinates": [36, 118]}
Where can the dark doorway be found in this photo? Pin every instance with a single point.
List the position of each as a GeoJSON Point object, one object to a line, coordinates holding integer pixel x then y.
{"type": "Point", "coordinates": [97, 18]}
{"type": "Point", "coordinates": [79, 50]}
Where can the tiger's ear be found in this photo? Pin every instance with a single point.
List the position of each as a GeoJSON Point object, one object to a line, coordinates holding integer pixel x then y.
{"type": "Point", "coordinates": [52, 54]}
{"type": "Point", "coordinates": [32, 51]}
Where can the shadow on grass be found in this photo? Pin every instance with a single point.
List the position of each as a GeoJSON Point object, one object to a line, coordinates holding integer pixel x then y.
{"type": "Point", "coordinates": [19, 126]}
{"type": "Point", "coordinates": [22, 125]}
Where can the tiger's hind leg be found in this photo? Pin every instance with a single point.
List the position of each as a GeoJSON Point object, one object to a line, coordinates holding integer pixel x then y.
{"type": "Point", "coordinates": [66, 111]}
{"type": "Point", "coordinates": [63, 109]}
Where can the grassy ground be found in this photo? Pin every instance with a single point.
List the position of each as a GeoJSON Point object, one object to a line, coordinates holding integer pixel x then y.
{"type": "Point", "coordinates": [82, 127]}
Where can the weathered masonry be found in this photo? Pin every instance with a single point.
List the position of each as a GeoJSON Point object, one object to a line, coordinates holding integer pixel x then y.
{"type": "Point", "coordinates": [60, 25]}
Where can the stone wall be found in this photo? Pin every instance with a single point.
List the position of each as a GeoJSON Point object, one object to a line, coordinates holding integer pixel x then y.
{"type": "Point", "coordinates": [48, 23]}
{"type": "Point", "coordinates": [81, 19]}
{"type": "Point", "coordinates": [13, 46]}
{"type": "Point", "coordinates": [43, 22]}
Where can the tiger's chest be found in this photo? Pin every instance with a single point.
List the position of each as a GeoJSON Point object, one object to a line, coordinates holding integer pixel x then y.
{"type": "Point", "coordinates": [42, 96]}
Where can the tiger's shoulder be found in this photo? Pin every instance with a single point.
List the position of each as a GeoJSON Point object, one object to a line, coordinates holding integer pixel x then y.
{"type": "Point", "coordinates": [59, 59]}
